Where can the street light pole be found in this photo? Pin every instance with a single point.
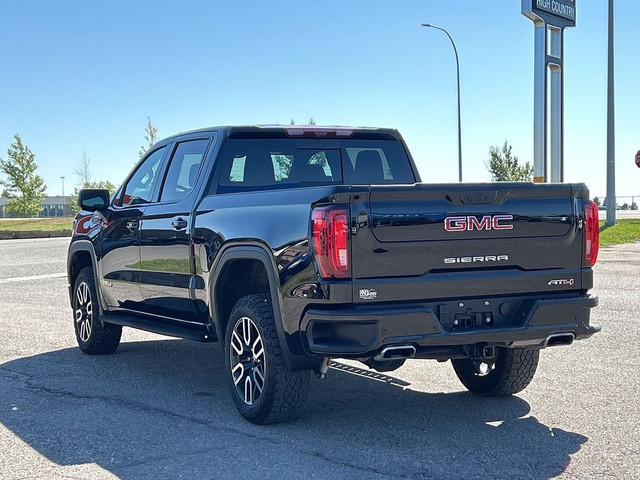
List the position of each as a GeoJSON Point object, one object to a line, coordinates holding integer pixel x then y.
{"type": "Point", "coordinates": [62, 186]}
{"type": "Point", "coordinates": [455, 50]}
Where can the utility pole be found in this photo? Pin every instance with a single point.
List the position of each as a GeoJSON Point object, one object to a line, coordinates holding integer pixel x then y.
{"type": "Point", "coordinates": [62, 186]}
{"type": "Point", "coordinates": [611, 130]}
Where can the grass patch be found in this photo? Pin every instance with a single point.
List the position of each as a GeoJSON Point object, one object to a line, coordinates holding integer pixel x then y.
{"type": "Point", "coordinates": [54, 224]}
{"type": "Point", "coordinates": [627, 230]}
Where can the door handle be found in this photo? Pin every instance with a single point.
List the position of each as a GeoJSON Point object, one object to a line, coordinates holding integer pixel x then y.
{"type": "Point", "coordinates": [133, 225]}
{"type": "Point", "coordinates": [179, 224]}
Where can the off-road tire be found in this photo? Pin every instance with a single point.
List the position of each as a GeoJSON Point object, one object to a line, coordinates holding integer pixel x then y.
{"type": "Point", "coordinates": [513, 371]}
{"type": "Point", "coordinates": [94, 336]}
{"type": "Point", "coordinates": [284, 391]}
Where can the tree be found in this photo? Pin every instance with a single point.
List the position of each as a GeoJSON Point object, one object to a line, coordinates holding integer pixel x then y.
{"type": "Point", "coordinates": [85, 178]}
{"type": "Point", "coordinates": [24, 188]}
{"type": "Point", "coordinates": [311, 121]}
{"type": "Point", "coordinates": [151, 137]}
{"type": "Point", "coordinates": [75, 208]}
{"type": "Point", "coordinates": [596, 200]}
{"type": "Point", "coordinates": [284, 166]}
{"type": "Point", "coordinates": [82, 170]}
{"type": "Point", "coordinates": [504, 166]}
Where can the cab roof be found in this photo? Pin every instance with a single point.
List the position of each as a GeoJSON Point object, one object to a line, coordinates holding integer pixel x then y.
{"type": "Point", "coordinates": [297, 131]}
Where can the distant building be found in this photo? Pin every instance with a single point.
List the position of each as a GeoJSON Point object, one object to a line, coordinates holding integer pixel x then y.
{"type": "Point", "coordinates": [55, 206]}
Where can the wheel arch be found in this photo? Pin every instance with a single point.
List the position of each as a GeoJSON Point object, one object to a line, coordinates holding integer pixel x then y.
{"type": "Point", "coordinates": [82, 254]}
{"type": "Point", "coordinates": [244, 270]}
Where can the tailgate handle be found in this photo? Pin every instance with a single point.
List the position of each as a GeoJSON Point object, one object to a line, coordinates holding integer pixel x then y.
{"type": "Point", "coordinates": [479, 196]}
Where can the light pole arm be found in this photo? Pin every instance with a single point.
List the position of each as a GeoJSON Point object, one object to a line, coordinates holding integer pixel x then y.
{"type": "Point", "coordinates": [455, 51]}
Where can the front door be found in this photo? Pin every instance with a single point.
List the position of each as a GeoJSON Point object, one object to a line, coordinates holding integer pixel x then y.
{"type": "Point", "coordinates": [120, 244]}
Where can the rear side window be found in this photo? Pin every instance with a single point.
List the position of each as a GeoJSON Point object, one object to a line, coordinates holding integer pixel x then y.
{"type": "Point", "coordinates": [183, 169]}
{"type": "Point", "coordinates": [266, 164]}
{"type": "Point", "coordinates": [377, 165]}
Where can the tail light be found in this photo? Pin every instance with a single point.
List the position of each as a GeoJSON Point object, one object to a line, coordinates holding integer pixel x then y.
{"type": "Point", "coordinates": [591, 233]}
{"type": "Point", "coordinates": [330, 241]}
{"type": "Point", "coordinates": [319, 132]}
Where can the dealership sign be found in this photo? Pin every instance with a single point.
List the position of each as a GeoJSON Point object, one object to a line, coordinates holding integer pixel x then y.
{"type": "Point", "coordinates": [550, 18]}
{"type": "Point", "coordinates": [560, 13]}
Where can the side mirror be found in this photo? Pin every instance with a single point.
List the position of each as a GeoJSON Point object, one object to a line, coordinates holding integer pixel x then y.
{"type": "Point", "coordinates": [92, 199]}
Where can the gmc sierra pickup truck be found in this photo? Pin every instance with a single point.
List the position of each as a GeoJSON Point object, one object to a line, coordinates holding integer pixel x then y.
{"type": "Point", "coordinates": [294, 245]}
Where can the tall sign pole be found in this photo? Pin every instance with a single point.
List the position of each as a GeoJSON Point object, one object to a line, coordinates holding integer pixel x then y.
{"type": "Point", "coordinates": [611, 130]}
{"type": "Point", "coordinates": [550, 18]}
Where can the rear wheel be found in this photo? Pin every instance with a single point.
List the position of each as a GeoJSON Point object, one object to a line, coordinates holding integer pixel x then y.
{"type": "Point", "coordinates": [262, 388]}
{"type": "Point", "coordinates": [512, 371]}
{"type": "Point", "coordinates": [94, 337]}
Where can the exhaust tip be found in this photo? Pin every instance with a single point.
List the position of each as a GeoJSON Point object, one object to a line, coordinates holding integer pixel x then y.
{"type": "Point", "coordinates": [559, 339]}
{"type": "Point", "coordinates": [396, 352]}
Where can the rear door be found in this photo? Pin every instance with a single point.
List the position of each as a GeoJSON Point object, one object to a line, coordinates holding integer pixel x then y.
{"type": "Point", "coordinates": [167, 270]}
{"type": "Point", "coordinates": [431, 241]}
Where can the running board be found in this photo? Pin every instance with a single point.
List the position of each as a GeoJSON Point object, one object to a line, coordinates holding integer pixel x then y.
{"type": "Point", "coordinates": [195, 332]}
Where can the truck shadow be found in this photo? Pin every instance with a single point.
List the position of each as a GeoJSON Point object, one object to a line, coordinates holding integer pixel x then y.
{"type": "Point", "coordinates": [162, 408]}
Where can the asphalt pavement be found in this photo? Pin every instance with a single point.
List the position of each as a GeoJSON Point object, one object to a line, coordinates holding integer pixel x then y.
{"type": "Point", "coordinates": [159, 407]}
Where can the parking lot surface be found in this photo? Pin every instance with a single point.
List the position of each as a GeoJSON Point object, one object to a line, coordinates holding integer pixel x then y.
{"type": "Point", "coordinates": [159, 407]}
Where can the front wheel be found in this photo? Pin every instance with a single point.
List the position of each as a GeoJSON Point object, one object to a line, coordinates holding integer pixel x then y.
{"type": "Point", "coordinates": [94, 337]}
{"type": "Point", "coordinates": [512, 371]}
{"type": "Point", "coordinates": [262, 388]}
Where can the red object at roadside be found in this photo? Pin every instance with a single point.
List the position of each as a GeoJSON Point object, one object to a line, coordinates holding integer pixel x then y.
{"type": "Point", "coordinates": [638, 159]}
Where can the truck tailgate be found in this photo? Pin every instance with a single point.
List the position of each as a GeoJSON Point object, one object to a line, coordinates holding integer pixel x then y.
{"type": "Point", "coordinates": [468, 240]}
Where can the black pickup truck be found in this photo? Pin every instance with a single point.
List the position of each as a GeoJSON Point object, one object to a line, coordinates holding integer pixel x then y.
{"type": "Point", "coordinates": [294, 245]}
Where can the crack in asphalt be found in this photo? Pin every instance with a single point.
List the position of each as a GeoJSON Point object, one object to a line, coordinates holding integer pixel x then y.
{"type": "Point", "coordinates": [342, 463]}
{"type": "Point", "coordinates": [29, 383]}
{"type": "Point", "coordinates": [69, 476]}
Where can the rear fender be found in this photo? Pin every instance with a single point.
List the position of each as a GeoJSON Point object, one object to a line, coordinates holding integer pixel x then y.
{"type": "Point", "coordinates": [254, 251]}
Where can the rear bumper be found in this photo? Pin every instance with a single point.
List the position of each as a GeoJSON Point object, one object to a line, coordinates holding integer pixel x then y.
{"type": "Point", "coordinates": [359, 332]}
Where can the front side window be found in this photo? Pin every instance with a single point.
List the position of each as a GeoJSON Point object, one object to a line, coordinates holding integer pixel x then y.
{"type": "Point", "coordinates": [183, 170]}
{"type": "Point", "coordinates": [141, 185]}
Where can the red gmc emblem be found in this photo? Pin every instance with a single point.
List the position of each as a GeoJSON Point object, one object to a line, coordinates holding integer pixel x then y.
{"type": "Point", "coordinates": [488, 222]}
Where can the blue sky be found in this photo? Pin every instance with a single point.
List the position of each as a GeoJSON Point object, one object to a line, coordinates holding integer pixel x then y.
{"type": "Point", "coordinates": [85, 75]}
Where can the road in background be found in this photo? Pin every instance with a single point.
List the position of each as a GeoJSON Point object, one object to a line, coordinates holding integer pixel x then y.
{"type": "Point", "coordinates": [20, 258]}
{"type": "Point", "coordinates": [620, 214]}
{"type": "Point", "coordinates": [159, 408]}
